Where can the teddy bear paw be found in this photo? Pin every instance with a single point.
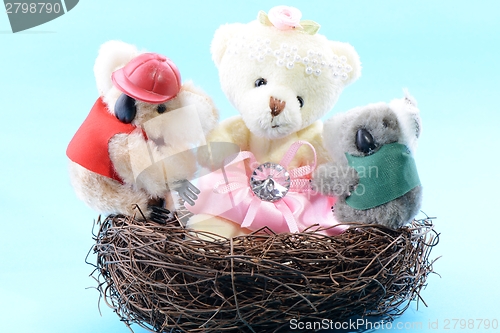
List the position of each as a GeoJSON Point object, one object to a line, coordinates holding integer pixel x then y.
{"type": "Point", "coordinates": [161, 215]}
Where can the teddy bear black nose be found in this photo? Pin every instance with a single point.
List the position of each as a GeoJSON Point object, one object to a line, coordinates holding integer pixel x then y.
{"type": "Point", "coordinates": [364, 141]}
{"type": "Point", "coordinates": [276, 105]}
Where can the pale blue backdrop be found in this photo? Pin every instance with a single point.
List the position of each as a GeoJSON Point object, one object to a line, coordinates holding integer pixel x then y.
{"type": "Point", "coordinates": [445, 52]}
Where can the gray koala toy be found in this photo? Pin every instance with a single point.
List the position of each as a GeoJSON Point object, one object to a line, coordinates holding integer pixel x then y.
{"type": "Point", "coordinates": [373, 173]}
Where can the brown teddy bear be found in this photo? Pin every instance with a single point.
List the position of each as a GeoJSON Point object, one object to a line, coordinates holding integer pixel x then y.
{"type": "Point", "coordinates": [120, 157]}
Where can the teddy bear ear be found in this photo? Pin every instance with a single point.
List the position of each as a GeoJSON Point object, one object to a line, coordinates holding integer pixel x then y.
{"type": "Point", "coordinates": [221, 40]}
{"type": "Point", "coordinates": [112, 55]}
{"type": "Point", "coordinates": [345, 49]}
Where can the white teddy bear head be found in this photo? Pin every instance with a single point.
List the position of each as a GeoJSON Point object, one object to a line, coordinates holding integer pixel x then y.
{"type": "Point", "coordinates": [280, 74]}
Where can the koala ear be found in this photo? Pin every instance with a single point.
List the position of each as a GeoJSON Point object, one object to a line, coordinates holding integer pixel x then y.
{"type": "Point", "coordinates": [125, 109]}
{"type": "Point", "coordinates": [221, 40]}
{"type": "Point", "coordinates": [332, 126]}
{"type": "Point", "coordinates": [345, 49]}
{"type": "Point", "coordinates": [332, 135]}
{"type": "Point", "coordinates": [112, 56]}
{"type": "Point", "coordinates": [409, 119]}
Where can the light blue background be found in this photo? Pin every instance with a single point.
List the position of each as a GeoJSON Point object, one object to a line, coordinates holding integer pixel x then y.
{"type": "Point", "coordinates": [445, 52]}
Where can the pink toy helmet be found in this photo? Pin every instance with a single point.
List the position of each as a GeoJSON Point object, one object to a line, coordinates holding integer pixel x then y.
{"type": "Point", "coordinates": [149, 77]}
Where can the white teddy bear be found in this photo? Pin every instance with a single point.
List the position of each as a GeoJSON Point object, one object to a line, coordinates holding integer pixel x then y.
{"type": "Point", "coordinates": [124, 154]}
{"type": "Point", "coordinates": [282, 77]}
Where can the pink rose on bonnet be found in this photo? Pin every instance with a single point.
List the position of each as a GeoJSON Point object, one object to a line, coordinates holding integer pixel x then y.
{"type": "Point", "coordinates": [284, 17]}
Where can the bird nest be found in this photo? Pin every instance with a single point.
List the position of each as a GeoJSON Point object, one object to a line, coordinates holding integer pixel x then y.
{"type": "Point", "coordinates": [169, 279]}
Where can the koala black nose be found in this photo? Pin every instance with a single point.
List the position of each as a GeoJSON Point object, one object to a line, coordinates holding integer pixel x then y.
{"type": "Point", "coordinates": [276, 105]}
{"type": "Point", "coordinates": [364, 141]}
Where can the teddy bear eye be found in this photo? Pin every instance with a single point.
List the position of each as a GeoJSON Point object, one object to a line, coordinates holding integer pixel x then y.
{"type": "Point", "coordinates": [260, 82]}
{"type": "Point", "coordinates": [301, 101]}
{"type": "Point", "coordinates": [161, 108]}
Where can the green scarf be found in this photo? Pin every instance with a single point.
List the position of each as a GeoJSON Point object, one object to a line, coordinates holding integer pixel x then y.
{"type": "Point", "coordinates": [384, 176]}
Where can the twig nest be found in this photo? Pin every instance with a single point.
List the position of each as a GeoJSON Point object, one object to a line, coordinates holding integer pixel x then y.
{"type": "Point", "coordinates": [169, 279]}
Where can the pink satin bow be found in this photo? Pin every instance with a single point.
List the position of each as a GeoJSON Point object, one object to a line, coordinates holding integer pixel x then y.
{"type": "Point", "coordinates": [298, 183]}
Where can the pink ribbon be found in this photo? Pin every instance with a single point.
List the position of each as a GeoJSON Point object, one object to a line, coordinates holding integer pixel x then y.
{"type": "Point", "coordinates": [297, 183]}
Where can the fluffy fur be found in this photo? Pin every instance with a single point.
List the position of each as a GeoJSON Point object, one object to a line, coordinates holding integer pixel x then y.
{"type": "Point", "coordinates": [109, 196]}
{"type": "Point", "coordinates": [399, 122]}
{"type": "Point", "coordinates": [258, 129]}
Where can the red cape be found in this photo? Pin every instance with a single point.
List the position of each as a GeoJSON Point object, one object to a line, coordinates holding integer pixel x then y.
{"type": "Point", "coordinates": [89, 146]}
